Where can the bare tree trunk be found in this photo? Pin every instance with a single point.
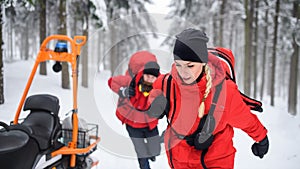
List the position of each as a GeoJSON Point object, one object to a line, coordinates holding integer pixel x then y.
{"type": "Point", "coordinates": [293, 90]}
{"type": "Point", "coordinates": [43, 7]}
{"type": "Point", "coordinates": [75, 26]}
{"type": "Point", "coordinates": [265, 48]}
{"type": "Point", "coordinates": [63, 30]}
{"type": "Point", "coordinates": [215, 30]}
{"type": "Point", "coordinates": [100, 55]}
{"type": "Point", "coordinates": [100, 50]}
{"type": "Point", "coordinates": [255, 48]}
{"type": "Point", "coordinates": [112, 34]}
{"type": "Point", "coordinates": [11, 41]}
{"type": "Point", "coordinates": [231, 36]}
{"type": "Point", "coordinates": [84, 57]}
{"type": "Point", "coordinates": [236, 39]}
{"type": "Point", "coordinates": [248, 47]}
{"type": "Point", "coordinates": [1, 60]}
{"type": "Point", "coordinates": [274, 53]}
{"type": "Point", "coordinates": [26, 50]}
{"type": "Point", "coordinates": [22, 42]}
{"type": "Point", "coordinates": [113, 51]}
{"type": "Point", "coordinates": [222, 18]}
{"type": "Point", "coordinates": [105, 64]}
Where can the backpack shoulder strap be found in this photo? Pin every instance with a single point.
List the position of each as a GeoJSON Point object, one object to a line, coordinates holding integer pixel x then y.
{"type": "Point", "coordinates": [209, 124]}
{"type": "Point", "coordinates": [168, 91]}
{"type": "Point", "coordinates": [132, 82]}
{"type": "Point", "coordinates": [252, 103]}
{"type": "Point", "coordinates": [227, 58]}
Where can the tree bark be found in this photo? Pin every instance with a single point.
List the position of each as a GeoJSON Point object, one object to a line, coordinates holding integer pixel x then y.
{"type": "Point", "coordinates": [255, 48]}
{"type": "Point", "coordinates": [265, 48]}
{"type": "Point", "coordinates": [1, 60]}
{"type": "Point", "coordinates": [232, 36]}
{"type": "Point", "coordinates": [100, 50]}
{"type": "Point", "coordinates": [11, 39]}
{"type": "Point", "coordinates": [105, 64]}
{"type": "Point", "coordinates": [113, 52]}
{"type": "Point", "coordinates": [43, 7]}
{"type": "Point", "coordinates": [84, 57]}
{"type": "Point", "coordinates": [273, 68]}
{"type": "Point", "coordinates": [248, 47]}
{"type": "Point", "coordinates": [65, 78]}
{"type": "Point", "coordinates": [293, 90]}
{"type": "Point", "coordinates": [215, 30]}
{"type": "Point", "coordinates": [26, 50]}
{"type": "Point", "coordinates": [222, 18]}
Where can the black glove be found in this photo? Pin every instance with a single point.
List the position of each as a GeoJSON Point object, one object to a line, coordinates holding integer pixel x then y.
{"type": "Point", "coordinates": [158, 107]}
{"type": "Point", "coordinates": [261, 148]}
{"type": "Point", "coordinates": [126, 92]}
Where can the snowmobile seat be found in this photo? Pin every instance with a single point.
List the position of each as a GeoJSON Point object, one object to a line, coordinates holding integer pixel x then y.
{"type": "Point", "coordinates": [42, 121]}
{"type": "Point", "coordinates": [17, 149]}
{"type": "Point", "coordinates": [12, 140]}
{"type": "Point", "coordinates": [38, 133]}
{"type": "Point", "coordinates": [43, 102]}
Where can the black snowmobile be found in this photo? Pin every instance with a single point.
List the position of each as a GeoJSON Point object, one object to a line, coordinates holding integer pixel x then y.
{"type": "Point", "coordinates": [39, 140]}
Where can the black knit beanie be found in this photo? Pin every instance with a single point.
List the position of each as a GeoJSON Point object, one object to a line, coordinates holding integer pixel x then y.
{"type": "Point", "coordinates": [151, 68]}
{"type": "Point", "coordinates": [190, 45]}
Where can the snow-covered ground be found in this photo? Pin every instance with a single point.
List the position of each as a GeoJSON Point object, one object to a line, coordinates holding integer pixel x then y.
{"type": "Point", "coordinates": [97, 105]}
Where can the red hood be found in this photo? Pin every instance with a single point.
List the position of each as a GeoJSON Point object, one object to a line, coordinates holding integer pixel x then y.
{"type": "Point", "coordinates": [139, 59]}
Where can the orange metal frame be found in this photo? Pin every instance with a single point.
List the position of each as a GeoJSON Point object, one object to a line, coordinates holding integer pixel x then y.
{"type": "Point", "coordinates": [47, 54]}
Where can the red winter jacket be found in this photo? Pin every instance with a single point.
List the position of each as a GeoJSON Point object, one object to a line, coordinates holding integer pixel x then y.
{"type": "Point", "coordinates": [136, 64]}
{"type": "Point", "coordinates": [138, 60]}
{"type": "Point", "coordinates": [230, 112]}
{"type": "Point", "coordinates": [127, 109]}
{"type": "Point", "coordinates": [132, 111]}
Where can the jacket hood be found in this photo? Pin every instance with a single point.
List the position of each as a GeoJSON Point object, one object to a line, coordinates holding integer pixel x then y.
{"type": "Point", "coordinates": [138, 60]}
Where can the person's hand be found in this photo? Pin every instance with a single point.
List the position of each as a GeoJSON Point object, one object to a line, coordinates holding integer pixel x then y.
{"type": "Point", "coordinates": [261, 148]}
{"type": "Point", "coordinates": [126, 92]}
{"type": "Point", "coordinates": [158, 107]}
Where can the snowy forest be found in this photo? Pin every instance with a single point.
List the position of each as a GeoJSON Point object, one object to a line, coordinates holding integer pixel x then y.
{"type": "Point", "coordinates": [263, 35]}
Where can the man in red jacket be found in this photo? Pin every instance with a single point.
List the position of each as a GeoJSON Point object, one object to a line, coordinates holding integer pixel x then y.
{"type": "Point", "coordinates": [131, 111]}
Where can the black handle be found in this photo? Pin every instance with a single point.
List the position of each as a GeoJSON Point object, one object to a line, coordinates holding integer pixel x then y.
{"type": "Point", "coordinates": [4, 125]}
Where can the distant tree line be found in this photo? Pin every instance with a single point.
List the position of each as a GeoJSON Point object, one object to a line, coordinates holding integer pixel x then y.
{"type": "Point", "coordinates": [27, 23]}
{"type": "Point", "coordinates": [263, 35]}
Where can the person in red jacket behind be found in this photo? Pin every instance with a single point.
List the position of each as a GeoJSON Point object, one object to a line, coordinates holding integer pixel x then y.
{"type": "Point", "coordinates": [202, 108]}
{"type": "Point", "coordinates": [136, 64]}
{"type": "Point", "coordinates": [131, 111]}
